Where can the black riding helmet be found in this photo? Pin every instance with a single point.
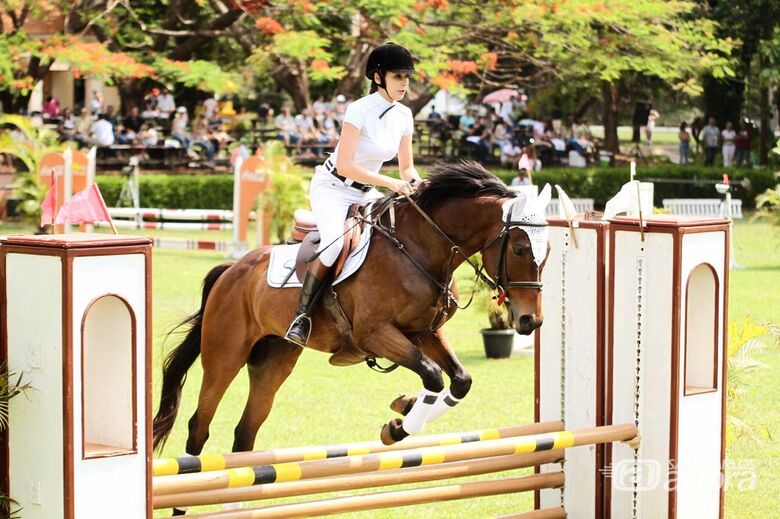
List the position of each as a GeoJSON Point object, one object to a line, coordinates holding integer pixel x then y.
{"type": "Point", "coordinates": [389, 57]}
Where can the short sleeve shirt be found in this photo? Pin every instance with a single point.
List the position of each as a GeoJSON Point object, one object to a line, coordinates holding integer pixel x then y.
{"type": "Point", "coordinates": [382, 125]}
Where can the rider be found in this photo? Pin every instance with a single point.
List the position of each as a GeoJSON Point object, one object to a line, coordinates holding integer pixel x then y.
{"type": "Point", "coordinates": [376, 127]}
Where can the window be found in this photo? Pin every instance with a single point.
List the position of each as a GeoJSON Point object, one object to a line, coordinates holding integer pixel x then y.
{"type": "Point", "coordinates": [701, 330]}
{"type": "Point", "coordinates": [108, 378]}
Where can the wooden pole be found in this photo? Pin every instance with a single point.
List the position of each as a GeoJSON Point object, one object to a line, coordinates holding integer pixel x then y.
{"type": "Point", "coordinates": [545, 513]}
{"type": "Point", "coordinates": [209, 462]}
{"type": "Point", "coordinates": [294, 471]}
{"type": "Point", "coordinates": [398, 498]}
{"type": "Point", "coordinates": [350, 482]}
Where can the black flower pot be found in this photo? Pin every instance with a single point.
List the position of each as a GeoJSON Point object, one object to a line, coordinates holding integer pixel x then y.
{"type": "Point", "coordinates": [498, 343]}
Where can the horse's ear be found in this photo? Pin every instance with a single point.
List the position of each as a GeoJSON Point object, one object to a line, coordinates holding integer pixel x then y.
{"type": "Point", "coordinates": [544, 198]}
{"type": "Point", "coordinates": [518, 208]}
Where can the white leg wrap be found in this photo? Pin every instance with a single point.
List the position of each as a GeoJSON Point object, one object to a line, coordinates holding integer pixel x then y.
{"type": "Point", "coordinates": [444, 403]}
{"type": "Point", "coordinates": [418, 415]}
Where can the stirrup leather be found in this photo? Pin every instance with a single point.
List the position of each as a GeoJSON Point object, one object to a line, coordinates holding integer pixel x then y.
{"type": "Point", "coordinates": [293, 323]}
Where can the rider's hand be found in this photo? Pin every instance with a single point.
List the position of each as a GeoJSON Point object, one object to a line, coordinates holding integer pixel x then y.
{"type": "Point", "coordinates": [400, 186]}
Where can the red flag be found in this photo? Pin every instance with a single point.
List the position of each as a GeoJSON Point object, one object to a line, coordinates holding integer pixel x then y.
{"type": "Point", "coordinates": [49, 204]}
{"type": "Point", "coordinates": [86, 206]}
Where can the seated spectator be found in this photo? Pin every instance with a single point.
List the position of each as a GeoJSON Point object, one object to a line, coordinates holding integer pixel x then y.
{"type": "Point", "coordinates": [479, 136]}
{"type": "Point", "coordinates": [210, 106]}
{"type": "Point", "coordinates": [201, 137]}
{"type": "Point", "coordinates": [523, 177]}
{"type": "Point", "coordinates": [96, 104]}
{"type": "Point", "coordinates": [340, 107]}
{"type": "Point", "coordinates": [101, 133]}
{"type": "Point", "coordinates": [153, 97]}
{"type": "Point", "coordinates": [67, 126]}
{"type": "Point", "coordinates": [510, 154]}
{"type": "Point", "coordinates": [83, 122]}
{"type": "Point", "coordinates": [286, 129]}
{"type": "Point", "coordinates": [150, 111]}
{"type": "Point", "coordinates": [149, 136]}
{"type": "Point", "coordinates": [133, 121]}
{"type": "Point", "coordinates": [500, 136]}
{"type": "Point", "coordinates": [111, 115]}
{"type": "Point", "coordinates": [179, 127]}
{"type": "Point", "coordinates": [165, 104]}
{"type": "Point", "coordinates": [465, 122]}
{"type": "Point", "coordinates": [36, 119]}
{"type": "Point", "coordinates": [321, 106]}
{"type": "Point", "coordinates": [51, 108]}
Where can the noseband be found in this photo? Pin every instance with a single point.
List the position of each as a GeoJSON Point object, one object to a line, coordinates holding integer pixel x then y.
{"type": "Point", "coordinates": [502, 282]}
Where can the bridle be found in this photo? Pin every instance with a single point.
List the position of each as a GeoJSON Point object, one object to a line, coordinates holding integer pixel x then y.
{"type": "Point", "coordinates": [501, 284]}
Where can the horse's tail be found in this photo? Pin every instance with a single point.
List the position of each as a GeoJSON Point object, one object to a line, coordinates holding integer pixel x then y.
{"type": "Point", "coordinates": [179, 361]}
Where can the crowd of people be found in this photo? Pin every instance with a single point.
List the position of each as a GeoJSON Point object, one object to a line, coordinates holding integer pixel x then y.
{"type": "Point", "coordinates": [508, 132]}
{"type": "Point", "coordinates": [158, 122]}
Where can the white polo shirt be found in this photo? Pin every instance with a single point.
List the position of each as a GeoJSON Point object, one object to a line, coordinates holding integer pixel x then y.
{"type": "Point", "coordinates": [379, 137]}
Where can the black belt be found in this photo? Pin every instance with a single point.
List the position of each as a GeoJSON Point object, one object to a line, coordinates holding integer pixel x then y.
{"type": "Point", "coordinates": [331, 168]}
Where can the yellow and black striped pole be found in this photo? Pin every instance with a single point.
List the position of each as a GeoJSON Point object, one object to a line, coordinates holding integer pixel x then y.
{"type": "Point", "coordinates": [294, 471]}
{"type": "Point", "coordinates": [210, 462]}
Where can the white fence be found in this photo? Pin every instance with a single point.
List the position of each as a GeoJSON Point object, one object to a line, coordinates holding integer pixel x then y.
{"type": "Point", "coordinates": [702, 207]}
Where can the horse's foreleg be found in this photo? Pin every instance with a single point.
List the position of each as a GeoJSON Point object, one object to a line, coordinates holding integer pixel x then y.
{"type": "Point", "coordinates": [391, 344]}
{"type": "Point", "coordinates": [270, 364]}
{"type": "Point", "coordinates": [436, 347]}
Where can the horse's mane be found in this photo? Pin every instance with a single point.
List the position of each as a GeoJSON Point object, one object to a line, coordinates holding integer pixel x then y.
{"type": "Point", "coordinates": [462, 179]}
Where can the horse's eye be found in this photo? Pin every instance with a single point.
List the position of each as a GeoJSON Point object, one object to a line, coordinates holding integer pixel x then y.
{"type": "Point", "coordinates": [520, 251]}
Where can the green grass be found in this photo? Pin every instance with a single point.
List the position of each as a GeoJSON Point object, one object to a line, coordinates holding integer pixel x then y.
{"type": "Point", "coordinates": [320, 404]}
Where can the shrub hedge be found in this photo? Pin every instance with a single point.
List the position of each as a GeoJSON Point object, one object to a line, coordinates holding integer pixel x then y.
{"type": "Point", "coordinates": [600, 184]}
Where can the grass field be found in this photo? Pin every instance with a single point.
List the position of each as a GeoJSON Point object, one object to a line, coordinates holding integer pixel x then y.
{"type": "Point", "coordinates": [320, 404]}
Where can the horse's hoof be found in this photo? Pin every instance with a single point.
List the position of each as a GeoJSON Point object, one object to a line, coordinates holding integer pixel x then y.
{"type": "Point", "coordinates": [403, 404]}
{"type": "Point", "coordinates": [393, 432]}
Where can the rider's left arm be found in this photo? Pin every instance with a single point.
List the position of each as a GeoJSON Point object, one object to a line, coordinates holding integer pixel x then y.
{"type": "Point", "coordinates": [406, 160]}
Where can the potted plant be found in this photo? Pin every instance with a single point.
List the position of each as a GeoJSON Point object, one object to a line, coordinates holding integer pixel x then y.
{"type": "Point", "coordinates": [499, 338]}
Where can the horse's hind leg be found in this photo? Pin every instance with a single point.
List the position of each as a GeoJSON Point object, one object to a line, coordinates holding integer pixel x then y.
{"type": "Point", "coordinates": [271, 362]}
{"type": "Point", "coordinates": [224, 350]}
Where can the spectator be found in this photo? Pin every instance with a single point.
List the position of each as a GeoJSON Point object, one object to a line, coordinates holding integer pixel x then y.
{"type": "Point", "coordinates": [742, 141]}
{"type": "Point", "coordinates": [685, 143]}
{"type": "Point", "coordinates": [466, 121]}
{"type": "Point", "coordinates": [523, 177]}
{"type": "Point", "coordinates": [51, 108]}
{"type": "Point", "coordinates": [210, 106]}
{"type": "Point", "coordinates": [36, 119]}
{"type": "Point", "coordinates": [728, 135]}
{"type": "Point", "coordinates": [150, 111]}
{"type": "Point", "coordinates": [320, 106]}
{"type": "Point", "coordinates": [179, 127]}
{"type": "Point", "coordinates": [341, 107]}
{"type": "Point", "coordinates": [166, 105]}
{"type": "Point", "coordinates": [650, 127]}
{"type": "Point", "coordinates": [67, 126]}
{"type": "Point", "coordinates": [479, 136]}
{"type": "Point", "coordinates": [286, 128]}
{"type": "Point", "coordinates": [510, 154]}
{"type": "Point", "coordinates": [111, 115]}
{"type": "Point", "coordinates": [263, 113]}
{"type": "Point", "coordinates": [507, 110]}
{"type": "Point", "coordinates": [710, 136]}
{"type": "Point", "coordinates": [96, 105]}
{"type": "Point", "coordinates": [149, 136]}
{"type": "Point", "coordinates": [152, 97]}
{"type": "Point", "coordinates": [201, 137]}
{"type": "Point", "coordinates": [133, 121]}
{"type": "Point", "coordinates": [500, 135]}
{"type": "Point", "coordinates": [83, 123]}
{"type": "Point", "coordinates": [101, 133]}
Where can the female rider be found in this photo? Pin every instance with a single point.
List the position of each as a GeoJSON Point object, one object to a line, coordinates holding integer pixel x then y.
{"type": "Point", "coordinates": [376, 127]}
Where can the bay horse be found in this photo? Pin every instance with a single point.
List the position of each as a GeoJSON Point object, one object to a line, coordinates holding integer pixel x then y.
{"type": "Point", "coordinates": [392, 302]}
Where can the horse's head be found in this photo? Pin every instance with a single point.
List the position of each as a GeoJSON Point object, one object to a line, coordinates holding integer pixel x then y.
{"type": "Point", "coordinates": [517, 257]}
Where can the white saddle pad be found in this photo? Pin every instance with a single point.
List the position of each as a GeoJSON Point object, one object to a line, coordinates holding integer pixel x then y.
{"type": "Point", "coordinates": [283, 261]}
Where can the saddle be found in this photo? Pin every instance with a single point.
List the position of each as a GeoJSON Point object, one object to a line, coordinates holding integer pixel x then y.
{"type": "Point", "coordinates": [305, 232]}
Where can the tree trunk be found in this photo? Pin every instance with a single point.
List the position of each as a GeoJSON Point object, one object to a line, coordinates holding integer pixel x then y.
{"type": "Point", "coordinates": [765, 133]}
{"type": "Point", "coordinates": [131, 93]}
{"type": "Point", "coordinates": [295, 83]}
{"type": "Point", "coordinates": [610, 98]}
{"type": "Point", "coordinates": [421, 99]}
{"type": "Point", "coordinates": [352, 83]}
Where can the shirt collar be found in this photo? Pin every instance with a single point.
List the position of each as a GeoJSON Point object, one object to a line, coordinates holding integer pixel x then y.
{"type": "Point", "coordinates": [381, 101]}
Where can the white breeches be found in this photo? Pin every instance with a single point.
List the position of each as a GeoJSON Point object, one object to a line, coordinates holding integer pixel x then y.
{"type": "Point", "coordinates": [330, 200]}
{"type": "Point", "coordinates": [728, 154]}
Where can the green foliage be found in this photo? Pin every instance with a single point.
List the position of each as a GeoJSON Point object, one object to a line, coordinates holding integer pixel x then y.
{"type": "Point", "coordinates": [174, 192]}
{"type": "Point", "coordinates": [200, 74]}
{"type": "Point", "coordinates": [745, 341]}
{"type": "Point", "coordinates": [289, 189]}
{"type": "Point", "coordinates": [768, 205]}
{"type": "Point", "coordinates": [11, 386]}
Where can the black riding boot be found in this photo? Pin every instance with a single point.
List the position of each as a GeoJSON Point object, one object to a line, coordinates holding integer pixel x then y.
{"type": "Point", "coordinates": [313, 284]}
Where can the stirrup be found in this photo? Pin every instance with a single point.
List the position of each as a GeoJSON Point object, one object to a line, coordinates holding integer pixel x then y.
{"type": "Point", "coordinates": [293, 323]}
